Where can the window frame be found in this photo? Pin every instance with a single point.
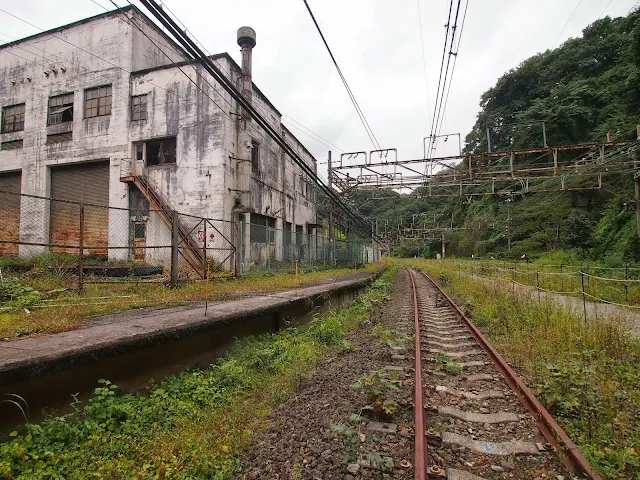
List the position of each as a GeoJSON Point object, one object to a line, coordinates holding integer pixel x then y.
{"type": "Point", "coordinates": [63, 105]}
{"type": "Point", "coordinates": [13, 123]}
{"type": "Point", "coordinates": [141, 147]}
{"type": "Point", "coordinates": [99, 104]}
{"type": "Point", "coordinates": [255, 163]}
{"type": "Point", "coordinates": [139, 105]}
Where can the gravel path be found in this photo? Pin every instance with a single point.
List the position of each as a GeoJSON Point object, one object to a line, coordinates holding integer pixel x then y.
{"type": "Point", "coordinates": [298, 441]}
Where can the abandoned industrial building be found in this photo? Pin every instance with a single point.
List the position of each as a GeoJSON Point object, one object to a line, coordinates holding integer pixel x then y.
{"type": "Point", "coordinates": [106, 112]}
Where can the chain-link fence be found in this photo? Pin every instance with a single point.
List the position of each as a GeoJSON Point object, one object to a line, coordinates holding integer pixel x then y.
{"type": "Point", "coordinates": [99, 244]}
{"type": "Point", "coordinates": [268, 248]}
{"type": "Point", "coordinates": [90, 243]}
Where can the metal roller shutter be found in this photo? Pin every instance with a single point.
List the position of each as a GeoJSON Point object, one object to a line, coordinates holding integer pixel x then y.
{"type": "Point", "coordinates": [10, 183]}
{"type": "Point", "coordinates": [88, 183]}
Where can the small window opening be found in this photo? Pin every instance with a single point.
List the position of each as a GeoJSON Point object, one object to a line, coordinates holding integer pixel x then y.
{"type": "Point", "coordinates": [61, 109]}
{"type": "Point", "coordinates": [255, 156]}
{"type": "Point", "coordinates": [157, 152]}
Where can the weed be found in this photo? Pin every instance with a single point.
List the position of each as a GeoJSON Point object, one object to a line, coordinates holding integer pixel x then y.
{"type": "Point", "coordinates": [448, 364]}
{"type": "Point", "coordinates": [192, 425]}
{"type": "Point", "coordinates": [586, 373]}
{"type": "Point", "coordinates": [379, 389]}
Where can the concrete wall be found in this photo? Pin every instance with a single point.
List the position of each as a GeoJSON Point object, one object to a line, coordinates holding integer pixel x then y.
{"type": "Point", "coordinates": [131, 55]}
{"type": "Point", "coordinates": [83, 55]}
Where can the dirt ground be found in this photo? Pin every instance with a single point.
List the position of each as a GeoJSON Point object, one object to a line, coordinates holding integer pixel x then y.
{"type": "Point", "coordinates": [316, 435]}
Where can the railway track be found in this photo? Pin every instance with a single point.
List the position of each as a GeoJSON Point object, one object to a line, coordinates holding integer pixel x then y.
{"type": "Point", "coordinates": [475, 419]}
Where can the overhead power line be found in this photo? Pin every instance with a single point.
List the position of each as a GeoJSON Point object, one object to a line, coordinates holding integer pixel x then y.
{"type": "Point", "coordinates": [455, 60]}
{"type": "Point", "coordinates": [566, 24]}
{"type": "Point", "coordinates": [363, 119]}
{"type": "Point", "coordinates": [192, 51]}
{"type": "Point", "coordinates": [424, 59]}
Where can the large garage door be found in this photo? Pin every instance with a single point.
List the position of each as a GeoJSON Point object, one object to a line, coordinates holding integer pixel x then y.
{"type": "Point", "coordinates": [88, 183]}
{"type": "Point", "coordinates": [10, 208]}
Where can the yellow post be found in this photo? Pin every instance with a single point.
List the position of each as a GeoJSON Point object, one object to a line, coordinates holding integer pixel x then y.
{"type": "Point", "coordinates": [206, 287]}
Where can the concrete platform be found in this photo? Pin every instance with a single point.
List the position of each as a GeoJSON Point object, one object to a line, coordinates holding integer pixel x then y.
{"type": "Point", "coordinates": [129, 331]}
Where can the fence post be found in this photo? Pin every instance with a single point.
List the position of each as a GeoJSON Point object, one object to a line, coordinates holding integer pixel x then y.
{"type": "Point", "coordinates": [204, 251]}
{"type": "Point", "coordinates": [174, 250]}
{"type": "Point", "coordinates": [626, 285]}
{"type": "Point", "coordinates": [561, 278]}
{"type": "Point", "coordinates": [81, 250]}
{"type": "Point", "coordinates": [584, 301]}
{"type": "Point", "coordinates": [538, 285]}
{"type": "Point", "coordinates": [513, 281]}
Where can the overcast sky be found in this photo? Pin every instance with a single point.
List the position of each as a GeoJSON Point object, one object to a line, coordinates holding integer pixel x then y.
{"type": "Point", "coordinates": [377, 45]}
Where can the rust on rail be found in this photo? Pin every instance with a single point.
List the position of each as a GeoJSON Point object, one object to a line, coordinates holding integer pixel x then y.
{"type": "Point", "coordinates": [553, 433]}
{"type": "Point", "coordinates": [421, 460]}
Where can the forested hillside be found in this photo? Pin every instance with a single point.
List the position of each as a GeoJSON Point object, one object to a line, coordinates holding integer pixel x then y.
{"type": "Point", "coordinates": [588, 87]}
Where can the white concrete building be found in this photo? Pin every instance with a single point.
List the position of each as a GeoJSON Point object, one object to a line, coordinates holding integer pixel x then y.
{"type": "Point", "coordinates": [105, 111]}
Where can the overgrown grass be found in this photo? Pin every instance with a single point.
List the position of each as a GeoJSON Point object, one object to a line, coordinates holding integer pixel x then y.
{"type": "Point", "coordinates": [586, 374]}
{"type": "Point", "coordinates": [190, 426]}
{"type": "Point", "coordinates": [600, 283]}
{"type": "Point", "coordinates": [52, 304]}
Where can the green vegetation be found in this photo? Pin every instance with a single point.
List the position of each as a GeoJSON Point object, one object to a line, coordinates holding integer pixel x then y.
{"type": "Point", "coordinates": [39, 301]}
{"type": "Point", "coordinates": [379, 389]}
{"type": "Point", "coordinates": [192, 425]}
{"type": "Point", "coordinates": [586, 373]}
{"type": "Point", "coordinates": [583, 90]}
{"type": "Point", "coordinates": [448, 364]}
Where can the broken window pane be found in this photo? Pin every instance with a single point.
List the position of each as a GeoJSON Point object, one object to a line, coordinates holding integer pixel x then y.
{"type": "Point", "coordinates": [97, 102]}
{"type": "Point", "coordinates": [160, 152]}
{"type": "Point", "coordinates": [61, 109]}
{"type": "Point", "coordinates": [13, 118]}
{"type": "Point", "coordinates": [138, 108]}
{"type": "Point", "coordinates": [255, 156]}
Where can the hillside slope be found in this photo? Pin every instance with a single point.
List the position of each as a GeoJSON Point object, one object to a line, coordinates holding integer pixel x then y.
{"type": "Point", "coordinates": [588, 87]}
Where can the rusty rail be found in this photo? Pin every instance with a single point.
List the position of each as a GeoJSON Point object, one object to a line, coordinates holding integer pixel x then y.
{"type": "Point", "coordinates": [421, 460]}
{"type": "Point", "coordinates": [553, 433]}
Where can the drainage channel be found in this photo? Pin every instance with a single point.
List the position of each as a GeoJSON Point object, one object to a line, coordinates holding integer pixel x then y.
{"type": "Point", "coordinates": [50, 384]}
{"type": "Point", "coordinates": [480, 421]}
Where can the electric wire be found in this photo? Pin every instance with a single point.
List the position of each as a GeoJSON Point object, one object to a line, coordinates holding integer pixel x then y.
{"type": "Point", "coordinates": [185, 100]}
{"type": "Point", "coordinates": [455, 60]}
{"type": "Point", "coordinates": [444, 54]}
{"type": "Point", "coordinates": [363, 119]}
{"type": "Point", "coordinates": [566, 24]}
{"type": "Point", "coordinates": [446, 75]}
{"type": "Point", "coordinates": [191, 49]}
{"type": "Point", "coordinates": [424, 60]}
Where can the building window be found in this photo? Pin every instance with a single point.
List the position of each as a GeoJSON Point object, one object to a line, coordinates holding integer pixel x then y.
{"type": "Point", "coordinates": [255, 156]}
{"type": "Point", "coordinates": [12, 145]}
{"type": "Point", "coordinates": [61, 109]}
{"type": "Point", "coordinates": [157, 152]}
{"type": "Point", "coordinates": [138, 108]}
{"type": "Point", "coordinates": [97, 102]}
{"type": "Point", "coordinates": [13, 118]}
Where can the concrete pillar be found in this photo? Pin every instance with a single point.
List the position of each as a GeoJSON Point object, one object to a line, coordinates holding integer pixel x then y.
{"type": "Point", "coordinates": [279, 239]}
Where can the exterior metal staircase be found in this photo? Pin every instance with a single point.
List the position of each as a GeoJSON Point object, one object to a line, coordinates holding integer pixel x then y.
{"type": "Point", "coordinates": [132, 172]}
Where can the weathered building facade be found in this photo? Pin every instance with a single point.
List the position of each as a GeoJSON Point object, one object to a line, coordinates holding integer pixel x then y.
{"type": "Point", "coordinates": [105, 111]}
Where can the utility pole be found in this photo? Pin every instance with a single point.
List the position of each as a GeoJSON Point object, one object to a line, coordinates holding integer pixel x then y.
{"type": "Point", "coordinates": [443, 246]}
{"type": "Point", "coordinates": [636, 183]}
{"type": "Point", "coordinates": [330, 223]}
{"type": "Point", "coordinates": [508, 228]}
